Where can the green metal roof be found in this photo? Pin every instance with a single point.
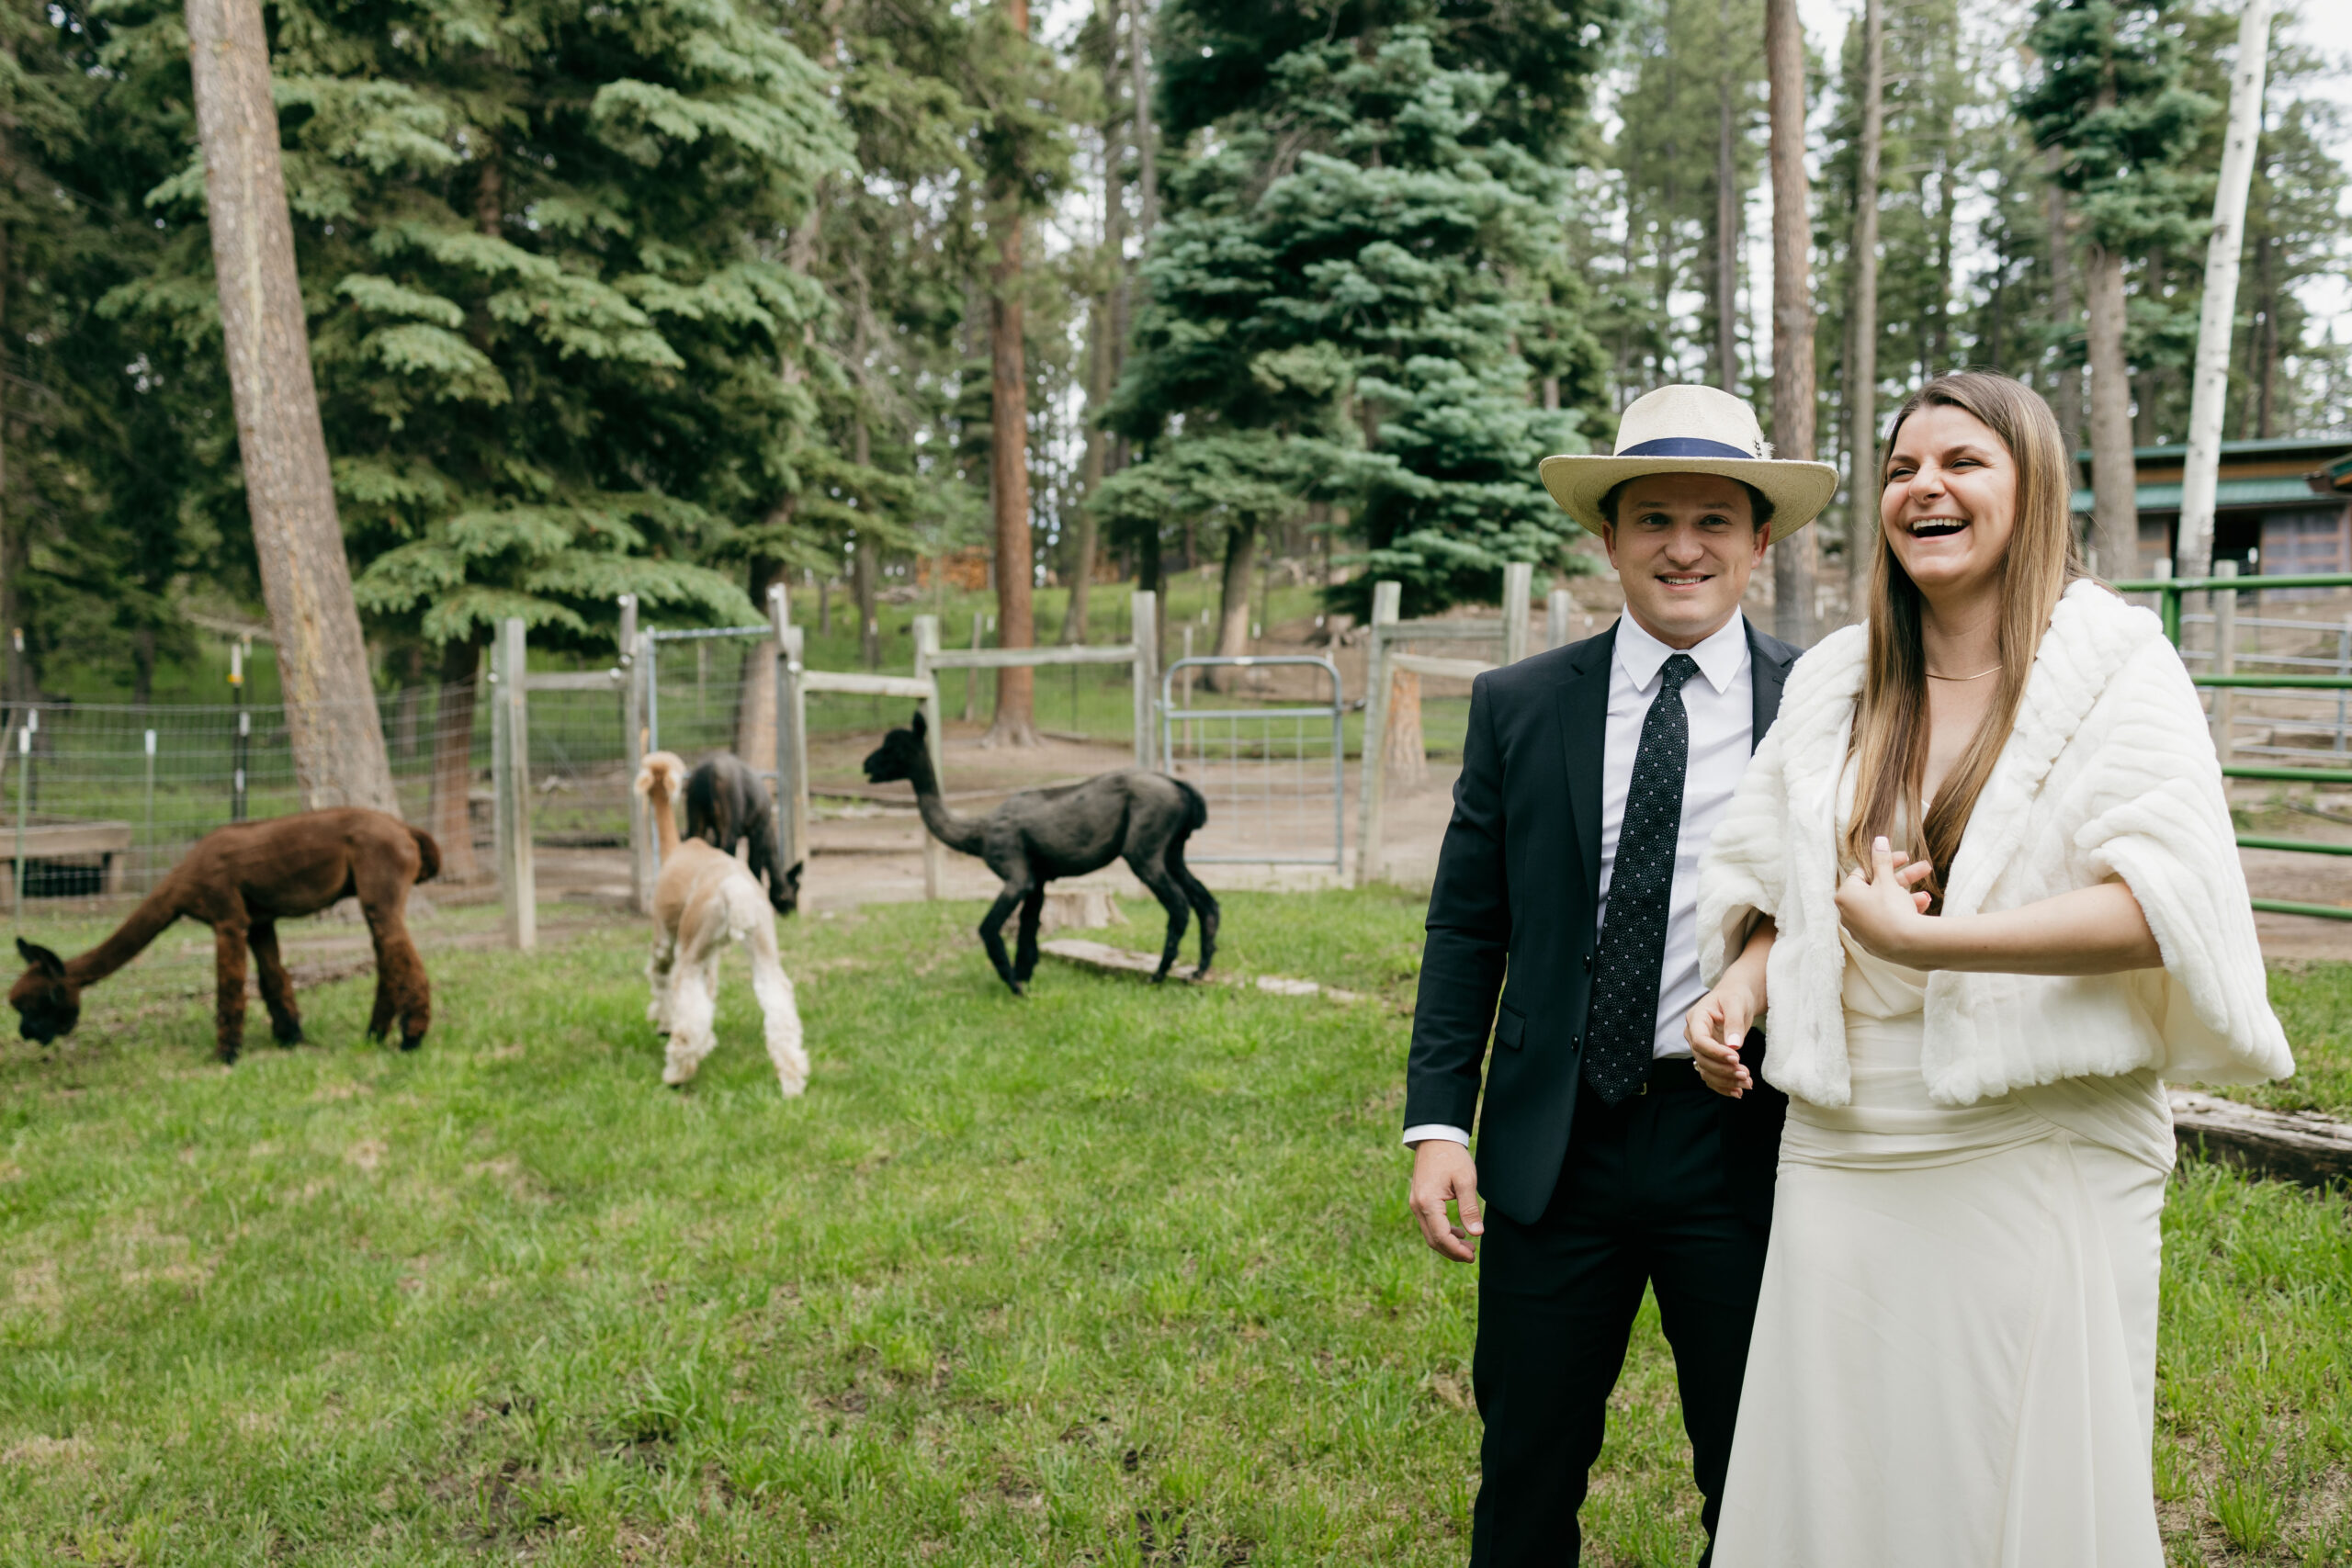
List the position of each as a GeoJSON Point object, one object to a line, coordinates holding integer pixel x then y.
{"type": "Point", "coordinates": [2289, 491]}
{"type": "Point", "coordinates": [2275, 447]}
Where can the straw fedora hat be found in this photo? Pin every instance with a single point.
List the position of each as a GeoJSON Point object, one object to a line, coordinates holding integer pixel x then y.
{"type": "Point", "coordinates": [1691, 430]}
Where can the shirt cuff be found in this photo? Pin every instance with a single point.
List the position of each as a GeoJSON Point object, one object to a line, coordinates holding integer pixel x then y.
{"type": "Point", "coordinates": [1429, 1130]}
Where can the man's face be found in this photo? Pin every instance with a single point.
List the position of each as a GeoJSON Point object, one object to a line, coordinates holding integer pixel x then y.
{"type": "Point", "coordinates": [1684, 546]}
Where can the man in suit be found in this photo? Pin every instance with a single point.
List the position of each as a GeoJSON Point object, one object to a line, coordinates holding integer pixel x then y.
{"type": "Point", "coordinates": [1566, 892]}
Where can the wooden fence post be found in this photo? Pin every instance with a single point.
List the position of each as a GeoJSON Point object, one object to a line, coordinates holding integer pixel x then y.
{"type": "Point", "coordinates": [1519, 581]}
{"type": "Point", "coordinates": [640, 827]}
{"type": "Point", "coordinates": [791, 781]}
{"type": "Point", "coordinates": [1387, 598]}
{"type": "Point", "coordinates": [1145, 616]}
{"type": "Point", "coordinates": [926, 629]}
{"type": "Point", "coordinates": [1558, 611]}
{"type": "Point", "coordinates": [511, 771]}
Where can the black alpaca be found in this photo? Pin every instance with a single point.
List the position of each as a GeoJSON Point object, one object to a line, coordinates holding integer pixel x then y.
{"type": "Point", "coordinates": [727, 803]}
{"type": "Point", "coordinates": [1039, 834]}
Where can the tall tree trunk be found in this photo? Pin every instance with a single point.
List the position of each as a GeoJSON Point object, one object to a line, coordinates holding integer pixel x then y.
{"type": "Point", "coordinates": [1098, 394]}
{"type": "Point", "coordinates": [865, 566]}
{"type": "Point", "coordinates": [2210, 387]}
{"type": "Point", "coordinates": [1233, 598]}
{"type": "Point", "coordinates": [446, 816]}
{"type": "Point", "coordinates": [1726, 214]}
{"type": "Point", "coordinates": [2061, 313]}
{"type": "Point", "coordinates": [322, 657]}
{"type": "Point", "coordinates": [1792, 383]}
{"type": "Point", "coordinates": [2115, 517]}
{"type": "Point", "coordinates": [1861, 355]}
{"type": "Point", "coordinates": [755, 709]}
{"type": "Point", "coordinates": [15, 546]}
{"type": "Point", "coordinates": [1405, 753]}
{"type": "Point", "coordinates": [1146, 137]}
{"type": "Point", "coordinates": [1016, 688]}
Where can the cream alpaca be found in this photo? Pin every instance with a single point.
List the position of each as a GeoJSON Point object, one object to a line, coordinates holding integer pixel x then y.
{"type": "Point", "coordinates": [704, 900]}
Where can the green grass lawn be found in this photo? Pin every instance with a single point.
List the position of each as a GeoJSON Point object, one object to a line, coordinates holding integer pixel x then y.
{"type": "Point", "coordinates": [1113, 1275]}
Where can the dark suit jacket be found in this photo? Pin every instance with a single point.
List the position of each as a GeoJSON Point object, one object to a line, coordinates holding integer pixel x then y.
{"type": "Point", "coordinates": [1512, 917]}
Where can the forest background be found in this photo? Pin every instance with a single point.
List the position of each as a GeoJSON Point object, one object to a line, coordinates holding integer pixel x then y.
{"type": "Point", "coordinates": [684, 298]}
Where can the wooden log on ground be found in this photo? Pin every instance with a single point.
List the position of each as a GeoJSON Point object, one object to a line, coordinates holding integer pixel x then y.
{"type": "Point", "coordinates": [1104, 959]}
{"type": "Point", "coordinates": [2300, 1146]}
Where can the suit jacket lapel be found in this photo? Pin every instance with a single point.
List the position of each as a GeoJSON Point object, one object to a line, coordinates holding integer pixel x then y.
{"type": "Point", "coordinates": [1767, 675]}
{"type": "Point", "coordinates": [1583, 702]}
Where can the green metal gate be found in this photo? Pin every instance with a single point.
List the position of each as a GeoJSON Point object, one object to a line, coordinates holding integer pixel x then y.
{"type": "Point", "coordinates": [2169, 590]}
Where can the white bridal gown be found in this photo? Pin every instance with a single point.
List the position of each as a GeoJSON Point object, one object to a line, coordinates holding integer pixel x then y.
{"type": "Point", "coordinates": [1954, 1358]}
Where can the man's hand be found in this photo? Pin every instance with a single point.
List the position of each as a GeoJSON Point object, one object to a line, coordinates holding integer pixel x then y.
{"type": "Point", "coordinates": [1444, 1173]}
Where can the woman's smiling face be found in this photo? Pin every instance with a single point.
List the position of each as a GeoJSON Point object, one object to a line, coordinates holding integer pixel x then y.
{"type": "Point", "coordinates": [1951, 501]}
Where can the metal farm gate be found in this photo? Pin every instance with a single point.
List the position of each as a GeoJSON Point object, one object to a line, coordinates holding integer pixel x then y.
{"type": "Point", "coordinates": [1273, 774]}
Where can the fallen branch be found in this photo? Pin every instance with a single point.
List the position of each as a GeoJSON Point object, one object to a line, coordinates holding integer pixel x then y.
{"type": "Point", "coordinates": [1102, 958]}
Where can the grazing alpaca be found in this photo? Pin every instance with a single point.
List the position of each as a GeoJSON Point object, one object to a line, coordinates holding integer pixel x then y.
{"type": "Point", "coordinates": [727, 804]}
{"type": "Point", "coordinates": [1039, 834]}
{"type": "Point", "coordinates": [241, 880]}
{"type": "Point", "coordinates": [704, 899]}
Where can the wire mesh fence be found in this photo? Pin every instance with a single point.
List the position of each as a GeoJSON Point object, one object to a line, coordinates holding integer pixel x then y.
{"type": "Point", "coordinates": [1269, 762]}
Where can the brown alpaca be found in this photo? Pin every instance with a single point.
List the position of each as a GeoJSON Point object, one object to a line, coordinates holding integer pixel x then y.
{"type": "Point", "coordinates": [241, 880]}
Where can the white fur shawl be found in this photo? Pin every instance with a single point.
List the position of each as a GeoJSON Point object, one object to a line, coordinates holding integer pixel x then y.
{"type": "Point", "coordinates": [2110, 773]}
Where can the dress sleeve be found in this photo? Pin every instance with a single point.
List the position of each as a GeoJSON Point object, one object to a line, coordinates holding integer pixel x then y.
{"type": "Point", "coordinates": [2160, 819]}
{"type": "Point", "coordinates": [1744, 872]}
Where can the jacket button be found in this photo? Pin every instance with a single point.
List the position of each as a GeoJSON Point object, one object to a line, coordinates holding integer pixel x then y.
{"type": "Point", "coordinates": [1588, 963]}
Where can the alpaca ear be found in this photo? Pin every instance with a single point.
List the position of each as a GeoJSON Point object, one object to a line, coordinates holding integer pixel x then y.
{"type": "Point", "coordinates": [40, 958]}
{"type": "Point", "coordinates": [919, 727]}
{"type": "Point", "coordinates": [792, 877]}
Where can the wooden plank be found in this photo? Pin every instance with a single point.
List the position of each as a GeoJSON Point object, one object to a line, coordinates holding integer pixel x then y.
{"type": "Point", "coordinates": [578, 681]}
{"type": "Point", "coordinates": [59, 840]}
{"type": "Point", "coordinates": [2300, 1146]}
{"type": "Point", "coordinates": [1011, 658]}
{"type": "Point", "coordinates": [1444, 669]}
{"type": "Point", "coordinates": [1104, 959]}
{"type": "Point", "coordinates": [859, 684]}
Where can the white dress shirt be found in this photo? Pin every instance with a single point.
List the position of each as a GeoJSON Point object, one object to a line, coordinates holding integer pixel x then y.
{"type": "Point", "coordinates": [1721, 707]}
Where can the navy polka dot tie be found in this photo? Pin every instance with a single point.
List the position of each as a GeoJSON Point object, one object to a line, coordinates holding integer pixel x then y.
{"type": "Point", "coordinates": [1623, 1029]}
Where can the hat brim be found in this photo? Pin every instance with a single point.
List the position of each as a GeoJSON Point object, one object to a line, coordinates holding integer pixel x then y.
{"type": "Point", "coordinates": [1797, 490]}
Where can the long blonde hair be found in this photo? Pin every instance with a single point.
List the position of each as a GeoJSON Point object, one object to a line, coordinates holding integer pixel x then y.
{"type": "Point", "coordinates": [1890, 735]}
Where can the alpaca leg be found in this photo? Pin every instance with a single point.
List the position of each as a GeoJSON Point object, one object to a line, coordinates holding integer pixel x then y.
{"type": "Point", "coordinates": [1203, 904]}
{"type": "Point", "coordinates": [992, 933]}
{"type": "Point", "coordinates": [1025, 957]}
{"type": "Point", "coordinates": [777, 1011]}
{"type": "Point", "coordinates": [229, 975]}
{"type": "Point", "coordinates": [1154, 876]}
{"type": "Point", "coordinates": [694, 1004]}
{"type": "Point", "coordinates": [403, 992]}
{"type": "Point", "coordinates": [658, 972]}
{"type": "Point", "coordinates": [277, 989]}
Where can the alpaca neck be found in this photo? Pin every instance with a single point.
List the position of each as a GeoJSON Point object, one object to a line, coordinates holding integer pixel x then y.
{"type": "Point", "coordinates": [960, 833]}
{"type": "Point", "coordinates": [146, 923]}
{"type": "Point", "coordinates": [665, 819]}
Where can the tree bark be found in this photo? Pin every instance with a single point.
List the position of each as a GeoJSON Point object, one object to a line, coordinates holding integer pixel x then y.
{"type": "Point", "coordinates": [1726, 215]}
{"type": "Point", "coordinates": [447, 815]}
{"type": "Point", "coordinates": [1100, 309]}
{"type": "Point", "coordinates": [755, 713]}
{"type": "Point", "coordinates": [1405, 755]}
{"type": "Point", "coordinates": [2115, 518]}
{"type": "Point", "coordinates": [2062, 311]}
{"type": "Point", "coordinates": [1861, 358]}
{"type": "Point", "coordinates": [1792, 379]}
{"type": "Point", "coordinates": [330, 718]}
{"type": "Point", "coordinates": [865, 566]}
{"type": "Point", "coordinates": [1016, 723]}
{"type": "Point", "coordinates": [1146, 137]}
{"type": "Point", "coordinates": [2209, 391]}
{"type": "Point", "coordinates": [1233, 599]}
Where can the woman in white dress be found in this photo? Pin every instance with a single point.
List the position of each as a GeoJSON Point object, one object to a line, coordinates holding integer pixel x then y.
{"type": "Point", "coordinates": [1953, 1361]}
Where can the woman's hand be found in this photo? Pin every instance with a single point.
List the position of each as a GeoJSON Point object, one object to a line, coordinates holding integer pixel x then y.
{"type": "Point", "coordinates": [1882, 908]}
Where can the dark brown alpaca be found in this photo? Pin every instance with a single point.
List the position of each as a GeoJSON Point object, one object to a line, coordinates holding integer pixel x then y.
{"type": "Point", "coordinates": [240, 880]}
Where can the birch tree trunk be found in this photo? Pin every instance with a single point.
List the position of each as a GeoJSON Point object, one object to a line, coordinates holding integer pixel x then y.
{"type": "Point", "coordinates": [1793, 380]}
{"type": "Point", "coordinates": [322, 659]}
{"type": "Point", "coordinates": [2210, 394]}
{"type": "Point", "coordinates": [1861, 359]}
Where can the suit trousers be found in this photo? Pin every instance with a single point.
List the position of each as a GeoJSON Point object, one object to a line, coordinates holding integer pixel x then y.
{"type": "Point", "coordinates": [1646, 1197]}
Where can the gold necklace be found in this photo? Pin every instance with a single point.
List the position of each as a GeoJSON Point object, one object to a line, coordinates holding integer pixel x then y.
{"type": "Point", "coordinates": [1978, 676]}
